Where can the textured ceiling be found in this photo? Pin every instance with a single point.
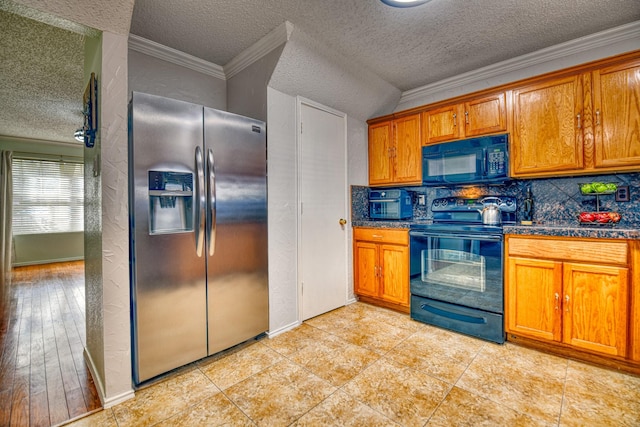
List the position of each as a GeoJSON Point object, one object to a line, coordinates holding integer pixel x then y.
{"type": "Point", "coordinates": [408, 47]}
{"type": "Point", "coordinates": [41, 59]}
{"type": "Point", "coordinates": [41, 79]}
{"type": "Point", "coordinates": [42, 62]}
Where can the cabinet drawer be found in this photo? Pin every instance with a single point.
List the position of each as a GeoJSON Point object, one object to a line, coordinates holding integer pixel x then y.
{"type": "Point", "coordinates": [398, 236]}
{"type": "Point", "coordinates": [605, 252]}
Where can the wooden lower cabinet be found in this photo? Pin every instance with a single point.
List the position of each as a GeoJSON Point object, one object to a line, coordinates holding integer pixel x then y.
{"type": "Point", "coordinates": [555, 292]}
{"type": "Point", "coordinates": [534, 289]}
{"type": "Point", "coordinates": [381, 266]}
{"type": "Point", "coordinates": [595, 306]}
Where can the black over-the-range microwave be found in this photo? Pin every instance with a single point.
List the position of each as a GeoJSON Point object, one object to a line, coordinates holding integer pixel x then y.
{"type": "Point", "coordinates": [482, 160]}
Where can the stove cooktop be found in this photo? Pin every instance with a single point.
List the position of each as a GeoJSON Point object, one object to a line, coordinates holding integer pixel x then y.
{"type": "Point", "coordinates": [459, 227]}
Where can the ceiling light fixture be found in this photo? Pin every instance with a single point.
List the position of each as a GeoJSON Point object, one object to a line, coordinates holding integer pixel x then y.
{"type": "Point", "coordinates": [404, 3]}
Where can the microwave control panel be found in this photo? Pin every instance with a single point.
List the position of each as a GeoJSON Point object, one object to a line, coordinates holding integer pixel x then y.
{"type": "Point", "coordinates": [497, 161]}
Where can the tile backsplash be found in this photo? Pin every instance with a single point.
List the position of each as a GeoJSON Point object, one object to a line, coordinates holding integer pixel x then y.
{"type": "Point", "coordinates": [556, 200]}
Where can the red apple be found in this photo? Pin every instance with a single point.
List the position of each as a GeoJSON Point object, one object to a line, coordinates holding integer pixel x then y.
{"type": "Point", "coordinates": [587, 217]}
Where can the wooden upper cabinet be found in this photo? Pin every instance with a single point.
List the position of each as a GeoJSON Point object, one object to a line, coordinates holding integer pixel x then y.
{"type": "Point", "coordinates": [579, 121]}
{"type": "Point", "coordinates": [442, 124]}
{"type": "Point", "coordinates": [616, 117]}
{"type": "Point", "coordinates": [547, 132]}
{"type": "Point", "coordinates": [407, 153]}
{"type": "Point", "coordinates": [395, 152]}
{"type": "Point", "coordinates": [380, 139]}
{"type": "Point", "coordinates": [478, 116]}
{"type": "Point", "coordinates": [485, 115]}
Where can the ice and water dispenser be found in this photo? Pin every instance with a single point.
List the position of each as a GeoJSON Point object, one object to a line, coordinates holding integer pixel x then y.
{"type": "Point", "coordinates": [170, 202]}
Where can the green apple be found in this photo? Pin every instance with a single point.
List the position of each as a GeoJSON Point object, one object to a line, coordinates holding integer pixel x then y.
{"type": "Point", "coordinates": [599, 187]}
{"type": "Point", "coordinates": [611, 186]}
{"type": "Point", "coordinates": [586, 188]}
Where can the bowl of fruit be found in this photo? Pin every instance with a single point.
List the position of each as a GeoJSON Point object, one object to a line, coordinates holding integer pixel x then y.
{"type": "Point", "coordinates": [599, 218]}
{"type": "Point", "coordinates": [594, 188]}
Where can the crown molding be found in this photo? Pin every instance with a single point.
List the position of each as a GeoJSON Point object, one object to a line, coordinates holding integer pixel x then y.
{"type": "Point", "coordinates": [275, 38]}
{"type": "Point", "coordinates": [151, 48]}
{"type": "Point", "coordinates": [627, 32]}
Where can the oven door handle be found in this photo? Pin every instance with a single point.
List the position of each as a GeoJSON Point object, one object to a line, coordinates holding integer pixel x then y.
{"type": "Point", "coordinates": [452, 315]}
{"type": "Point", "coordinates": [446, 235]}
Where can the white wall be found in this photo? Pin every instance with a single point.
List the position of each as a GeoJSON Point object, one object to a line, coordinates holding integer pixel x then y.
{"type": "Point", "coordinates": [247, 90]}
{"type": "Point", "coordinates": [30, 249]}
{"type": "Point", "coordinates": [310, 69]}
{"type": "Point", "coordinates": [108, 346]}
{"type": "Point", "coordinates": [157, 77]}
{"type": "Point", "coordinates": [281, 188]}
{"type": "Point", "coordinates": [357, 173]}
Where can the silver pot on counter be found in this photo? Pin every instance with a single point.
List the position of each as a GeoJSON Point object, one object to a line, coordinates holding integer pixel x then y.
{"type": "Point", "coordinates": [491, 214]}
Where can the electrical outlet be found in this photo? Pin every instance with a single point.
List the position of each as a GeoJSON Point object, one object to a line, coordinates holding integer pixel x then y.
{"type": "Point", "coordinates": [622, 193]}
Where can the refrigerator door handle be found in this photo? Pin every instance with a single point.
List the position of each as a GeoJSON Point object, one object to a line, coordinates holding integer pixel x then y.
{"type": "Point", "coordinates": [200, 202]}
{"type": "Point", "coordinates": [211, 207]}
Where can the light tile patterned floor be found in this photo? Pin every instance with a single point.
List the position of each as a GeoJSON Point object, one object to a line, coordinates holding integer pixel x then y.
{"type": "Point", "coordinates": [367, 366]}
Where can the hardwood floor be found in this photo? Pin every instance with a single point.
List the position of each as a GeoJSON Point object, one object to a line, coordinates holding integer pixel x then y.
{"type": "Point", "coordinates": [44, 379]}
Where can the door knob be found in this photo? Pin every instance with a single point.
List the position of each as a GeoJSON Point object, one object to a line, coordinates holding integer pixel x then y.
{"type": "Point", "coordinates": [342, 221]}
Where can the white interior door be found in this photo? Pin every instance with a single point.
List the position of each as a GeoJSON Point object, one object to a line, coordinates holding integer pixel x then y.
{"type": "Point", "coordinates": [322, 257]}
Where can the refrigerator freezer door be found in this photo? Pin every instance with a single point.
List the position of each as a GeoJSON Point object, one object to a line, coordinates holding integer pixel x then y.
{"type": "Point", "coordinates": [168, 286]}
{"type": "Point", "coordinates": [237, 277]}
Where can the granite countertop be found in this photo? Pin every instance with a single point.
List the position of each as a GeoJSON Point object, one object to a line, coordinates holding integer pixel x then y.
{"type": "Point", "coordinates": [574, 230]}
{"type": "Point", "coordinates": [546, 229]}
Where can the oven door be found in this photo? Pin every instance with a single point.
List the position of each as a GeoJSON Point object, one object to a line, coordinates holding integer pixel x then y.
{"type": "Point", "coordinates": [458, 268]}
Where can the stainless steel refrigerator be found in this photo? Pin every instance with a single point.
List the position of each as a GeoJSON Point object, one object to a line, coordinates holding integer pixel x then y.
{"type": "Point", "coordinates": [198, 232]}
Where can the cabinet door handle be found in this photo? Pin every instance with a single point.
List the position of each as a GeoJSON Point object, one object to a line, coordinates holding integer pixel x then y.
{"type": "Point", "coordinates": [466, 117]}
{"type": "Point", "coordinates": [557, 297]}
{"type": "Point", "coordinates": [375, 270]}
{"type": "Point", "coordinates": [579, 121]}
{"type": "Point", "coordinates": [566, 307]}
{"type": "Point", "coordinates": [597, 117]}
{"type": "Point", "coordinates": [454, 119]}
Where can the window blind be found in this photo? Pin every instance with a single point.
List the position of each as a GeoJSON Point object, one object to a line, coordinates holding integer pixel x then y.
{"type": "Point", "coordinates": [48, 197]}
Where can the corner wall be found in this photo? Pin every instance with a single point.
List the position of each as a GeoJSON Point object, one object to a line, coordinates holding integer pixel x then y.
{"type": "Point", "coordinates": [312, 71]}
{"type": "Point", "coordinates": [157, 77]}
{"type": "Point", "coordinates": [108, 346]}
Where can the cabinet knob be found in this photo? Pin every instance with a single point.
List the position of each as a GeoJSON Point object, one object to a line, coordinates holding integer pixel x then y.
{"type": "Point", "coordinates": [342, 221]}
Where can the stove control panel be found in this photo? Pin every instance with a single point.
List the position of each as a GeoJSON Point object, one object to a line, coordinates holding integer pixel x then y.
{"type": "Point", "coordinates": [461, 204]}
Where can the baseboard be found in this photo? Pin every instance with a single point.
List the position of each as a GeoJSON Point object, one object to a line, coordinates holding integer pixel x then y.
{"type": "Point", "coordinates": [272, 334]}
{"type": "Point", "coordinates": [352, 301]}
{"type": "Point", "coordinates": [97, 380]}
{"type": "Point", "coordinates": [47, 261]}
